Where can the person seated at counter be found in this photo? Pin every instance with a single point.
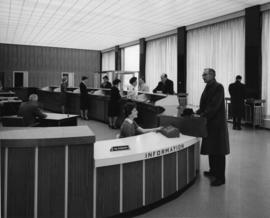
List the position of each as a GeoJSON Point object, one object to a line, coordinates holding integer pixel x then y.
{"type": "Point", "coordinates": [142, 86]}
{"type": "Point", "coordinates": [132, 91]}
{"type": "Point", "coordinates": [129, 126]}
{"type": "Point", "coordinates": [165, 85]}
{"type": "Point", "coordinates": [106, 84]}
{"type": "Point", "coordinates": [114, 104]}
{"type": "Point", "coordinates": [30, 111]}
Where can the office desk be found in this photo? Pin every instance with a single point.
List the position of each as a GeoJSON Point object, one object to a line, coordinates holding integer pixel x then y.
{"type": "Point", "coordinates": [9, 106]}
{"type": "Point", "coordinates": [54, 119]}
{"type": "Point", "coordinates": [7, 94]}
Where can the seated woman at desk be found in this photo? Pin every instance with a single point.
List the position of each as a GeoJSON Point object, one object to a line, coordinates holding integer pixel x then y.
{"type": "Point", "coordinates": [129, 127]}
{"type": "Point", "coordinates": [132, 91]}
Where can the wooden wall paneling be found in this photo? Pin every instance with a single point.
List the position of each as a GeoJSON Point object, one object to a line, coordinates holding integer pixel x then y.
{"type": "Point", "coordinates": [108, 191]}
{"type": "Point", "coordinates": [191, 163]}
{"type": "Point", "coordinates": [132, 186]}
{"type": "Point", "coordinates": [152, 180]}
{"type": "Point", "coordinates": [182, 168]}
{"type": "Point", "coordinates": [20, 193]}
{"type": "Point", "coordinates": [169, 174]}
{"type": "Point", "coordinates": [51, 182]}
{"type": "Point", "coordinates": [80, 181]}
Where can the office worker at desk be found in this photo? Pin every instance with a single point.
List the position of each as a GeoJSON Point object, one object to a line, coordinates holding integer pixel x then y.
{"type": "Point", "coordinates": [132, 91]}
{"type": "Point", "coordinates": [84, 98]}
{"type": "Point", "coordinates": [106, 84]}
{"type": "Point", "coordinates": [165, 85]}
{"type": "Point", "coordinates": [129, 126]}
{"type": "Point", "coordinates": [30, 111]}
{"type": "Point", "coordinates": [142, 86]}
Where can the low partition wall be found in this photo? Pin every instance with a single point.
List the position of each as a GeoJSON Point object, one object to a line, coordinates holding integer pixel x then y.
{"type": "Point", "coordinates": [47, 172]}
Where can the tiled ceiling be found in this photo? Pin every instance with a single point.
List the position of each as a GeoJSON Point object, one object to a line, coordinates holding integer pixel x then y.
{"type": "Point", "coordinates": [100, 24]}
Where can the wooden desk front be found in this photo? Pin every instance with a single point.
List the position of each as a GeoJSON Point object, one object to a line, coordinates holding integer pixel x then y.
{"type": "Point", "coordinates": [47, 172]}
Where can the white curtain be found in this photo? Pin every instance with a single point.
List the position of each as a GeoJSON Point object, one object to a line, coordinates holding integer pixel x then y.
{"type": "Point", "coordinates": [108, 61]}
{"type": "Point", "coordinates": [161, 57]}
{"type": "Point", "coordinates": [131, 58]}
{"type": "Point", "coordinates": [220, 46]}
{"type": "Point", "coordinates": [266, 61]}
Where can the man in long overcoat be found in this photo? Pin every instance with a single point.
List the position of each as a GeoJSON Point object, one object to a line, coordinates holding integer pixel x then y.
{"type": "Point", "coordinates": [237, 92]}
{"type": "Point", "coordinates": [216, 144]}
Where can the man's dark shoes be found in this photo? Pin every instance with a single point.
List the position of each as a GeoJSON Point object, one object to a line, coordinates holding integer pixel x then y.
{"type": "Point", "coordinates": [208, 174]}
{"type": "Point", "coordinates": [217, 182]}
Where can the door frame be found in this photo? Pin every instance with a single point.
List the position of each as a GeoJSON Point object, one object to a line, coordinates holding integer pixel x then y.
{"type": "Point", "coordinates": [25, 77]}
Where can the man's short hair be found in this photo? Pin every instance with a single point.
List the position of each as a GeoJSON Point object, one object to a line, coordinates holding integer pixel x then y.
{"type": "Point", "coordinates": [33, 97]}
{"type": "Point", "coordinates": [238, 77]}
{"type": "Point", "coordinates": [211, 71]}
{"type": "Point", "coordinates": [105, 77]}
{"type": "Point", "coordinates": [84, 77]}
{"type": "Point", "coordinates": [164, 75]}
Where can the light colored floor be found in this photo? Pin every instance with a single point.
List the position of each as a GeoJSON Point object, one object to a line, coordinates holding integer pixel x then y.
{"type": "Point", "coordinates": [247, 189]}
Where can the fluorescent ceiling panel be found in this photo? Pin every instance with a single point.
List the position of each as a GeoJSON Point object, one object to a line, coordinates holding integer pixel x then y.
{"type": "Point", "coordinates": [100, 24]}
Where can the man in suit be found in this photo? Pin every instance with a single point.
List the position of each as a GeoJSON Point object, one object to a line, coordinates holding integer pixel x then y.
{"type": "Point", "coordinates": [216, 143]}
{"type": "Point", "coordinates": [30, 111]}
{"type": "Point", "coordinates": [237, 92]}
{"type": "Point", "coordinates": [165, 85]}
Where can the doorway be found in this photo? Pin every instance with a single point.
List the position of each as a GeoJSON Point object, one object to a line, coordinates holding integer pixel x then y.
{"type": "Point", "coordinates": [20, 79]}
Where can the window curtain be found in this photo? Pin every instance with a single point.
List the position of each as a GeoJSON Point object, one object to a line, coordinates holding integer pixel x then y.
{"type": "Point", "coordinates": [131, 58]}
{"type": "Point", "coordinates": [108, 61]}
{"type": "Point", "coordinates": [161, 57]}
{"type": "Point", "coordinates": [266, 61]}
{"type": "Point", "coordinates": [220, 46]}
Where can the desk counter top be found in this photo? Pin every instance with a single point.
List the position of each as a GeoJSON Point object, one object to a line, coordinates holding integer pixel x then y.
{"type": "Point", "coordinates": [46, 136]}
{"type": "Point", "coordinates": [56, 116]}
{"type": "Point", "coordinates": [142, 147]}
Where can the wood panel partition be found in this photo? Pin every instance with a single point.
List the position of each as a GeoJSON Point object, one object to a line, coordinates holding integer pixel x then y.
{"type": "Point", "coordinates": [47, 172]}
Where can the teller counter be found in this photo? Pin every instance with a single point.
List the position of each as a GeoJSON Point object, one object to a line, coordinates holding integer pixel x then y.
{"type": "Point", "coordinates": [98, 101]}
{"type": "Point", "coordinates": [62, 172]}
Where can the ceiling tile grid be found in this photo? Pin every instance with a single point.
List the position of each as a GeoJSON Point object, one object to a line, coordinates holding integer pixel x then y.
{"type": "Point", "coordinates": [100, 24]}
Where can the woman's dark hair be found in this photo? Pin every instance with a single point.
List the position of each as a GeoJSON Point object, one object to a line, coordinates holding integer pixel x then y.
{"type": "Point", "coordinates": [133, 80]}
{"type": "Point", "coordinates": [116, 81]}
{"type": "Point", "coordinates": [105, 77]}
{"type": "Point", "coordinates": [129, 106]}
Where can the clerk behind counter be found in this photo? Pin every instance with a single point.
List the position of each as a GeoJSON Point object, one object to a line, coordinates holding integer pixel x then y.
{"type": "Point", "coordinates": [165, 85]}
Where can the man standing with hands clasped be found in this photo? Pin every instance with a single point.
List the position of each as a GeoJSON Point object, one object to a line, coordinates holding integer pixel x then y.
{"type": "Point", "coordinates": [216, 143]}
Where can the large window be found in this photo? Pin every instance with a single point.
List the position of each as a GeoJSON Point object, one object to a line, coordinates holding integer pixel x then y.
{"type": "Point", "coordinates": [108, 61]}
{"type": "Point", "coordinates": [266, 61]}
{"type": "Point", "coordinates": [161, 57]}
{"type": "Point", "coordinates": [220, 46]}
{"type": "Point", "coordinates": [131, 58]}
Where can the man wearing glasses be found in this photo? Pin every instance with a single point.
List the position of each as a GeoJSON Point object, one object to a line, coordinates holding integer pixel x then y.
{"type": "Point", "coordinates": [216, 144]}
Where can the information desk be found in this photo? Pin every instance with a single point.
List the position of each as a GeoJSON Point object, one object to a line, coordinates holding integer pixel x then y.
{"type": "Point", "coordinates": [154, 168]}
{"type": "Point", "coordinates": [60, 172]}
